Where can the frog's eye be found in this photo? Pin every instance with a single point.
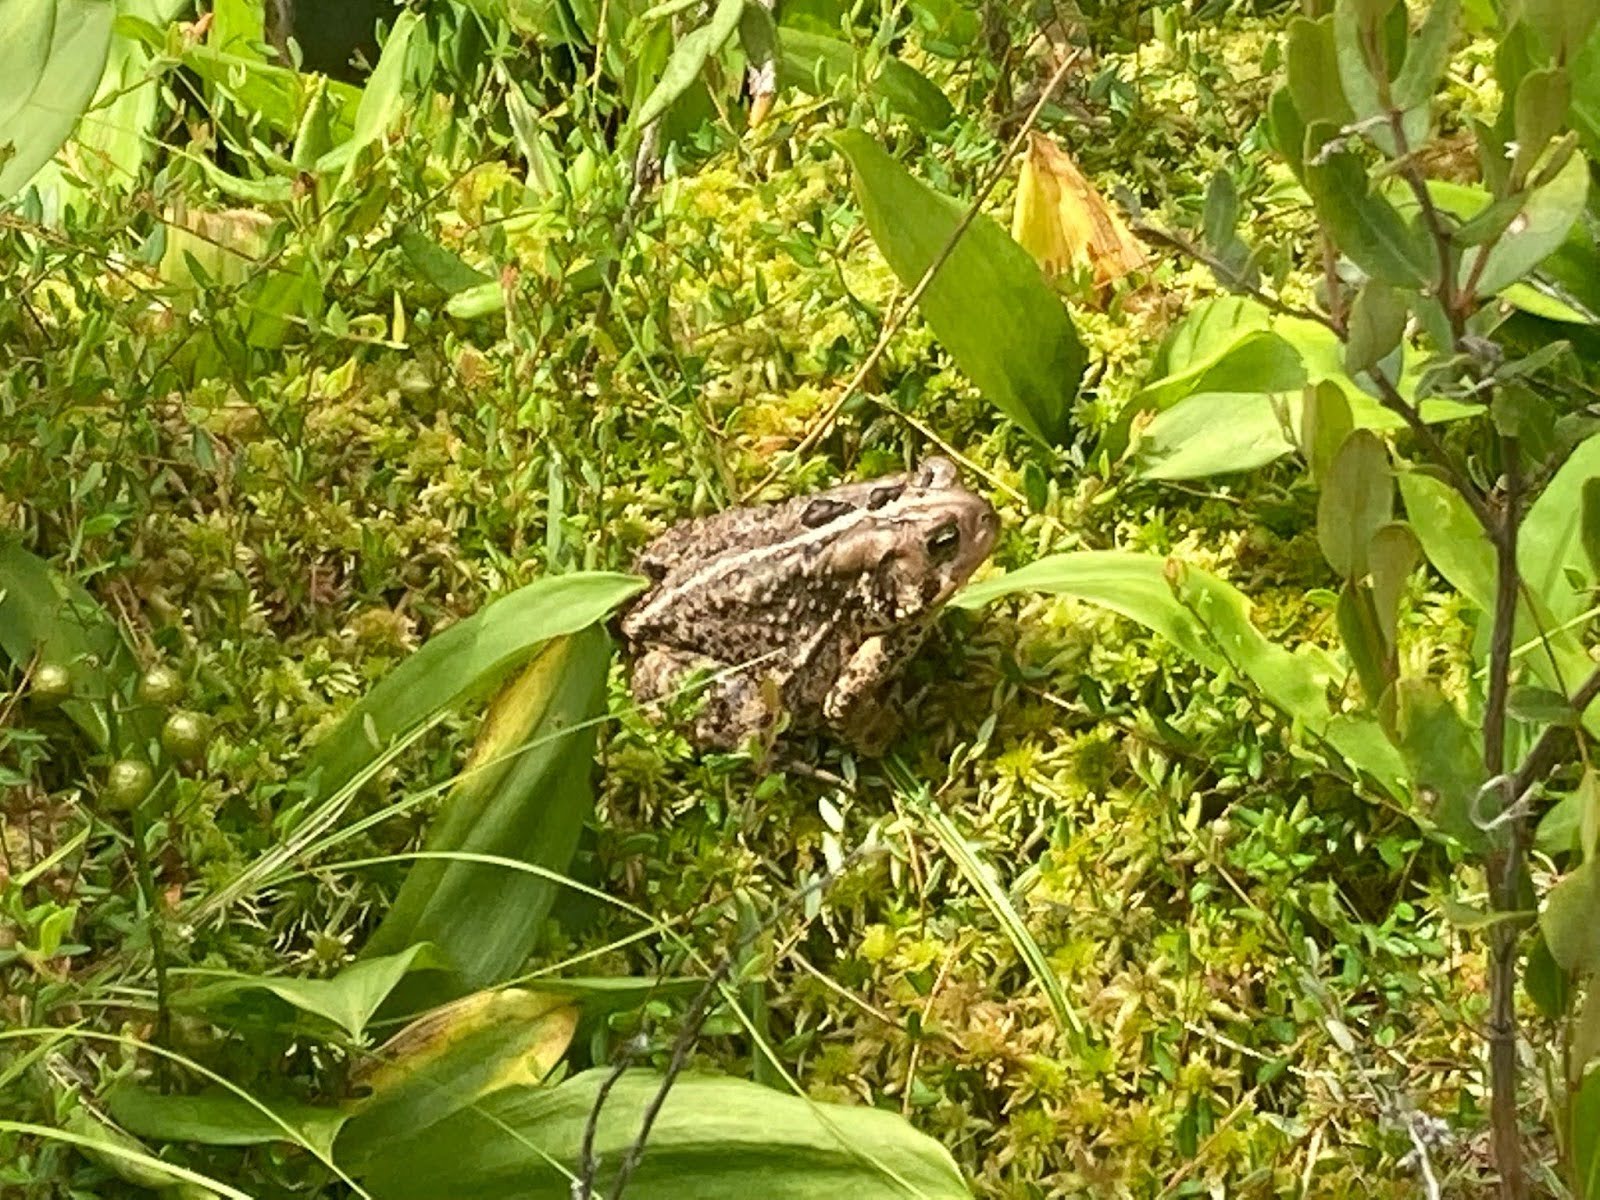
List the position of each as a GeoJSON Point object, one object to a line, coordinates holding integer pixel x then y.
{"type": "Point", "coordinates": [881, 496]}
{"type": "Point", "coordinates": [944, 541]}
{"type": "Point", "coordinates": [821, 511]}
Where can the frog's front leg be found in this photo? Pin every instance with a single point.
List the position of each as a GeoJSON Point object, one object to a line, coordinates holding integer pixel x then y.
{"type": "Point", "coordinates": [854, 705]}
{"type": "Point", "coordinates": [732, 705]}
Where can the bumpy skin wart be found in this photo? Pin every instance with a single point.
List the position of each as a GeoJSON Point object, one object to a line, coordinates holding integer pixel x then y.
{"type": "Point", "coordinates": [806, 607]}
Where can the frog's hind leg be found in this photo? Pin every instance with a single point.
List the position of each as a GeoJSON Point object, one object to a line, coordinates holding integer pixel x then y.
{"type": "Point", "coordinates": [728, 705]}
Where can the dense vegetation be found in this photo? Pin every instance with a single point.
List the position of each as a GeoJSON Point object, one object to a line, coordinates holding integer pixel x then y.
{"type": "Point", "coordinates": [1241, 836]}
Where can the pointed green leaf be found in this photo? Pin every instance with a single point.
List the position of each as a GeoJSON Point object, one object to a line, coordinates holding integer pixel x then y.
{"type": "Point", "coordinates": [348, 999]}
{"type": "Point", "coordinates": [223, 1118]}
{"type": "Point", "coordinates": [1209, 620]}
{"type": "Point", "coordinates": [987, 303]}
{"type": "Point", "coordinates": [689, 58]}
{"type": "Point", "coordinates": [522, 799]}
{"type": "Point", "coordinates": [1357, 499]}
{"type": "Point", "coordinates": [1377, 323]}
{"type": "Point", "coordinates": [1365, 225]}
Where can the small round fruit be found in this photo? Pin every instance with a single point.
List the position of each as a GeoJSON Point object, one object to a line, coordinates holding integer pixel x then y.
{"type": "Point", "coordinates": [127, 784]}
{"type": "Point", "coordinates": [51, 684]}
{"type": "Point", "coordinates": [161, 685]}
{"type": "Point", "coordinates": [184, 735]}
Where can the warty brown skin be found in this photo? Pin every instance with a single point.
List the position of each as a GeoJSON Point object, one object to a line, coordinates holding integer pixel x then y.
{"type": "Point", "coordinates": [809, 606]}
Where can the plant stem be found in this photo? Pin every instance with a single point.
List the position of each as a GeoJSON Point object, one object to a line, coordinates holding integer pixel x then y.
{"type": "Point", "coordinates": [158, 949]}
{"type": "Point", "coordinates": [1506, 854]}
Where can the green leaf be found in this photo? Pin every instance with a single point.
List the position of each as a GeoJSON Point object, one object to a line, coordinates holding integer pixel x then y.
{"type": "Point", "coordinates": [1427, 56]}
{"type": "Point", "coordinates": [1561, 25]}
{"type": "Point", "coordinates": [1357, 499]}
{"type": "Point", "coordinates": [1365, 49]}
{"type": "Point", "coordinates": [1392, 555]}
{"type": "Point", "coordinates": [1365, 225]}
{"type": "Point", "coordinates": [383, 100]}
{"type": "Point", "coordinates": [1541, 705]}
{"type": "Point", "coordinates": [223, 1118]}
{"type": "Point", "coordinates": [1550, 544]}
{"type": "Point", "coordinates": [1586, 1137]}
{"type": "Point", "coordinates": [1451, 537]}
{"type": "Point", "coordinates": [1363, 639]}
{"type": "Point", "coordinates": [55, 53]}
{"type": "Point", "coordinates": [347, 1000]}
{"type": "Point", "coordinates": [1459, 550]}
{"type": "Point", "coordinates": [689, 58]}
{"type": "Point", "coordinates": [1312, 70]}
{"type": "Point", "coordinates": [1589, 525]}
{"type": "Point", "coordinates": [454, 1057]}
{"type": "Point", "coordinates": [1443, 754]}
{"type": "Point", "coordinates": [715, 1139]}
{"type": "Point", "coordinates": [1542, 100]}
{"type": "Point", "coordinates": [1571, 919]}
{"type": "Point", "coordinates": [1325, 423]}
{"type": "Point", "coordinates": [987, 303]}
{"type": "Point", "coordinates": [440, 267]}
{"type": "Point", "coordinates": [1537, 230]}
{"type": "Point", "coordinates": [523, 798]}
{"type": "Point", "coordinates": [1288, 131]}
{"type": "Point", "coordinates": [1549, 987]}
{"type": "Point", "coordinates": [1377, 323]}
{"type": "Point", "coordinates": [814, 63]}
{"type": "Point", "coordinates": [1214, 433]}
{"type": "Point", "coordinates": [1209, 620]}
{"type": "Point", "coordinates": [467, 660]}
{"type": "Point", "coordinates": [44, 614]}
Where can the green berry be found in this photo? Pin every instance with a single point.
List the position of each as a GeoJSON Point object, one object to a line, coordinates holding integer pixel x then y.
{"type": "Point", "coordinates": [51, 684]}
{"type": "Point", "coordinates": [127, 784]}
{"type": "Point", "coordinates": [161, 685]}
{"type": "Point", "coordinates": [184, 736]}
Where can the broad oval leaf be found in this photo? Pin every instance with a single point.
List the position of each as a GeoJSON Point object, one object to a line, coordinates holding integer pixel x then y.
{"type": "Point", "coordinates": [812, 62]}
{"type": "Point", "coordinates": [52, 53]}
{"type": "Point", "coordinates": [987, 302]}
{"type": "Point", "coordinates": [1538, 229]}
{"type": "Point", "coordinates": [1569, 920]}
{"type": "Point", "coordinates": [715, 1139]}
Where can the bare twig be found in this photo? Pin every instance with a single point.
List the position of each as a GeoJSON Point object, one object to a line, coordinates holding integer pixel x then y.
{"type": "Point", "coordinates": [1507, 851]}
{"type": "Point", "coordinates": [897, 316]}
{"type": "Point", "coordinates": [683, 1045]}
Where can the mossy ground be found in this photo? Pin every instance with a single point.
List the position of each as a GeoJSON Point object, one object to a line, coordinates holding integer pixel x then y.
{"type": "Point", "coordinates": [1254, 945]}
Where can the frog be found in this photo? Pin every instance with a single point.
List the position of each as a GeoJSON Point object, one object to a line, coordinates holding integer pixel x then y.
{"type": "Point", "coordinates": [797, 616]}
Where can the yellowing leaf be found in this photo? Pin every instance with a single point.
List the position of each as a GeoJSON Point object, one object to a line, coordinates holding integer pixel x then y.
{"type": "Point", "coordinates": [1064, 223]}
